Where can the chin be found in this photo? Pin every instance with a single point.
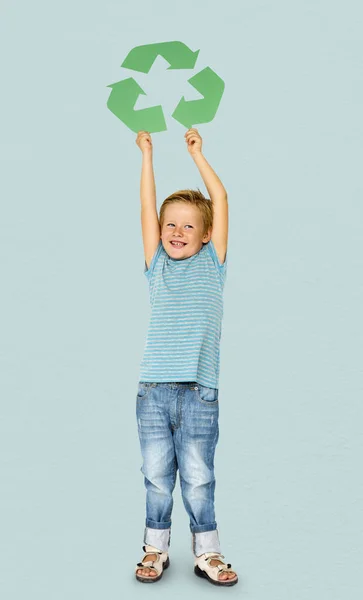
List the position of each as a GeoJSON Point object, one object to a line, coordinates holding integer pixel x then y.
{"type": "Point", "coordinates": [175, 254]}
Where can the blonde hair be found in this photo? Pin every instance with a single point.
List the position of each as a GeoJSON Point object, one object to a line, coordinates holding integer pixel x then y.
{"type": "Point", "coordinates": [195, 198]}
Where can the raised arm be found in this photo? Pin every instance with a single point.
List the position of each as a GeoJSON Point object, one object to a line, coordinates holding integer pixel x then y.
{"type": "Point", "coordinates": [149, 216]}
{"type": "Point", "coordinates": [216, 191]}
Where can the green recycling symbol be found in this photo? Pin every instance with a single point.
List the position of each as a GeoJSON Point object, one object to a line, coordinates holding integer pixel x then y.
{"type": "Point", "coordinates": [125, 93]}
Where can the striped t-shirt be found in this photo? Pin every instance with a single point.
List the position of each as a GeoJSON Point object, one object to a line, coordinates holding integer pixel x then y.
{"type": "Point", "coordinates": [184, 332]}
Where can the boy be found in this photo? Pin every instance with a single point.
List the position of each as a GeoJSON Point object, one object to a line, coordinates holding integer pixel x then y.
{"type": "Point", "coordinates": [177, 400]}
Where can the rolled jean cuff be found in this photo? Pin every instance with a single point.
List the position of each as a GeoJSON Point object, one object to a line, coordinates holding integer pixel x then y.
{"type": "Point", "coordinates": [157, 525]}
{"type": "Point", "coordinates": [201, 528]}
{"type": "Point", "coordinates": [159, 538]}
{"type": "Point", "coordinates": [205, 541]}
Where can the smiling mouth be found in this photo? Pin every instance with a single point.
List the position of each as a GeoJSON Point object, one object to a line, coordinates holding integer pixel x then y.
{"type": "Point", "coordinates": [178, 244]}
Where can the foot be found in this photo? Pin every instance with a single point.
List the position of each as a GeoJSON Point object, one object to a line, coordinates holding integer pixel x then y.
{"type": "Point", "coordinates": [223, 575]}
{"type": "Point", "coordinates": [151, 567]}
{"type": "Point", "coordinates": [211, 567]}
{"type": "Point", "coordinates": [146, 571]}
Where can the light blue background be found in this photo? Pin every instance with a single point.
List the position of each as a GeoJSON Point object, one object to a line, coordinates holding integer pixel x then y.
{"type": "Point", "coordinates": [287, 144]}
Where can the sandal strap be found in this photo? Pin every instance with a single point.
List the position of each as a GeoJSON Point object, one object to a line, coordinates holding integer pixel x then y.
{"type": "Point", "coordinates": [156, 564]}
{"type": "Point", "coordinates": [217, 555]}
{"type": "Point", "coordinates": [213, 571]}
{"type": "Point", "coordinates": [225, 567]}
{"type": "Point", "coordinates": [220, 567]}
{"type": "Point", "coordinates": [151, 549]}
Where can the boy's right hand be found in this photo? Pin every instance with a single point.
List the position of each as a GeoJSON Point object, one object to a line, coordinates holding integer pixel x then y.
{"type": "Point", "coordinates": [144, 141]}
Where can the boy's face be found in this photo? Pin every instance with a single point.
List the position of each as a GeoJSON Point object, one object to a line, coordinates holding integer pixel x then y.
{"type": "Point", "coordinates": [183, 223]}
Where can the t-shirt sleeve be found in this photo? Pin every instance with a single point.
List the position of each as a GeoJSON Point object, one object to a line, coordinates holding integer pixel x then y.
{"type": "Point", "coordinates": [221, 269]}
{"type": "Point", "coordinates": [149, 271]}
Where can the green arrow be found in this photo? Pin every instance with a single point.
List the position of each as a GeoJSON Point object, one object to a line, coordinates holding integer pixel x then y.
{"type": "Point", "coordinates": [211, 86]}
{"type": "Point", "coordinates": [178, 55]}
{"type": "Point", "coordinates": [121, 103]}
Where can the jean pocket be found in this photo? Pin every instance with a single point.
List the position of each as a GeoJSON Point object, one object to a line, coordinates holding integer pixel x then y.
{"type": "Point", "coordinates": [143, 390]}
{"type": "Point", "coordinates": [207, 395]}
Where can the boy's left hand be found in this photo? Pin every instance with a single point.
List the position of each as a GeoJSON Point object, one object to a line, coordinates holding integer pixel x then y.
{"type": "Point", "coordinates": [194, 141]}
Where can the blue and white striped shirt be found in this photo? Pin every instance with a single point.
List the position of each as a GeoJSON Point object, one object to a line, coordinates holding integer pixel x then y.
{"type": "Point", "coordinates": [186, 298]}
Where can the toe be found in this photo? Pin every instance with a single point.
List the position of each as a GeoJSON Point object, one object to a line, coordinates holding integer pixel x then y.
{"type": "Point", "coordinates": [230, 575]}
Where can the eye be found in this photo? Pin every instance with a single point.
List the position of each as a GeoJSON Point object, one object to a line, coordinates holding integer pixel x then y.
{"type": "Point", "coordinates": [189, 226]}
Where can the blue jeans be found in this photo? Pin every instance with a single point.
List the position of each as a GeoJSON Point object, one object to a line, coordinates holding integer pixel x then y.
{"type": "Point", "coordinates": [178, 429]}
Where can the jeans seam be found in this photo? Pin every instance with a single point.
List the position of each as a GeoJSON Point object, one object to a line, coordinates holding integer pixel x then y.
{"type": "Point", "coordinates": [181, 400]}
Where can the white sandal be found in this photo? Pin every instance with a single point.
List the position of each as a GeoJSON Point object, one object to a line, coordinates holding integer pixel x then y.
{"type": "Point", "coordinates": [204, 569]}
{"type": "Point", "coordinates": [162, 562]}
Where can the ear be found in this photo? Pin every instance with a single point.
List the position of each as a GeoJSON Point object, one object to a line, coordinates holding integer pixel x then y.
{"type": "Point", "coordinates": [207, 236]}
